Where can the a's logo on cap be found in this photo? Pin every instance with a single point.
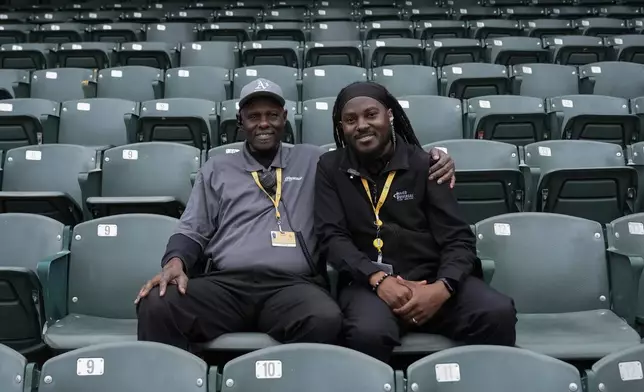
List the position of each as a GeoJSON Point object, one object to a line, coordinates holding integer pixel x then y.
{"type": "Point", "coordinates": [262, 85]}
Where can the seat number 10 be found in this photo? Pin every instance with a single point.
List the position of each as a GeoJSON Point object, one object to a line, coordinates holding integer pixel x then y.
{"type": "Point", "coordinates": [268, 369]}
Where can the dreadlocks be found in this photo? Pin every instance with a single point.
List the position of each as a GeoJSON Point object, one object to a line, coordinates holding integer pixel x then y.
{"type": "Point", "coordinates": [401, 124]}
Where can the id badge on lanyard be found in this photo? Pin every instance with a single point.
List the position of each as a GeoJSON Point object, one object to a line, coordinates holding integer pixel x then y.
{"type": "Point", "coordinates": [378, 243]}
{"type": "Point", "coordinates": [279, 237]}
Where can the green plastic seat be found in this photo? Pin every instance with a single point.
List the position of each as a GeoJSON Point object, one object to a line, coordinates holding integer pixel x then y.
{"type": "Point", "coordinates": [125, 366]}
{"type": "Point", "coordinates": [593, 117]}
{"type": "Point", "coordinates": [317, 124]}
{"type": "Point", "coordinates": [173, 33]}
{"type": "Point", "coordinates": [60, 84]}
{"type": "Point", "coordinates": [26, 239]}
{"type": "Point", "coordinates": [144, 16]}
{"type": "Point", "coordinates": [620, 371]}
{"type": "Point", "coordinates": [230, 148]}
{"type": "Point", "coordinates": [101, 250]}
{"type": "Point", "coordinates": [229, 132]}
{"type": "Point", "coordinates": [48, 179]}
{"type": "Point", "coordinates": [602, 27]}
{"type": "Point", "coordinates": [442, 52]}
{"type": "Point", "coordinates": [544, 80]}
{"type": "Point", "coordinates": [15, 33]}
{"type": "Point", "coordinates": [493, 28]}
{"type": "Point", "coordinates": [117, 32]}
{"type": "Point", "coordinates": [434, 118]}
{"type": "Point", "coordinates": [281, 30]}
{"type": "Point", "coordinates": [635, 159]}
{"type": "Point", "coordinates": [515, 50]}
{"type": "Point", "coordinates": [227, 31]}
{"type": "Point", "coordinates": [388, 29]}
{"type": "Point", "coordinates": [15, 374]}
{"type": "Point", "coordinates": [433, 28]}
{"type": "Point", "coordinates": [539, 258]}
{"type": "Point", "coordinates": [394, 51]}
{"type": "Point", "coordinates": [490, 182]}
{"type": "Point", "coordinates": [271, 52]}
{"type": "Point", "coordinates": [58, 33]}
{"type": "Point", "coordinates": [14, 83]}
{"type": "Point", "coordinates": [133, 83]}
{"type": "Point", "coordinates": [491, 368]}
{"type": "Point", "coordinates": [327, 81]}
{"type": "Point", "coordinates": [28, 56]}
{"type": "Point", "coordinates": [212, 54]}
{"type": "Point", "coordinates": [321, 53]}
{"type": "Point", "coordinates": [239, 15]}
{"type": "Point", "coordinates": [285, 77]}
{"type": "Point", "coordinates": [298, 366]}
{"type": "Point", "coordinates": [189, 16]}
{"type": "Point", "coordinates": [181, 120]}
{"type": "Point", "coordinates": [93, 55]}
{"type": "Point", "coordinates": [335, 31]}
{"type": "Point", "coordinates": [575, 50]}
{"type": "Point", "coordinates": [506, 118]}
{"type": "Point", "coordinates": [612, 78]}
{"type": "Point", "coordinates": [470, 80]}
{"type": "Point", "coordinates": [27, 121]}
{"type": "Point", "coordinates": [581, 178]}
{"type": "Point", "coordinates": [201, 82]}
{"type": "Point", "coordinates": [152, 177]}
{"type": "Point", "coordinates": [547, 28]}
{"type": "Point", "coordinates": [161, 55]}
{"type": "Point", "coordinates": [98, 122]}
{"type": "Point", "coordinates": [407, 79]}
{"type": "Point", "coordinates": [629, 47]}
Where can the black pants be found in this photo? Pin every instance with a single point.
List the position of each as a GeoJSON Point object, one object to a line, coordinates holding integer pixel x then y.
{"type": "Point", "coordinates": [288, 308]}
{"type": "Point", "coordinates": [476, 314]}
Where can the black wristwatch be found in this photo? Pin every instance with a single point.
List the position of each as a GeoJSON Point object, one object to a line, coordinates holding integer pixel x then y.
{"type": "Point", "coordinates": [448, 286]}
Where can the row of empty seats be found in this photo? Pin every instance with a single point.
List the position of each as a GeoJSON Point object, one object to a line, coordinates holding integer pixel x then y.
{"type": "Point", "coordinates": [60, 278]}
{"type": "Point", "coordinates": [153, 367]}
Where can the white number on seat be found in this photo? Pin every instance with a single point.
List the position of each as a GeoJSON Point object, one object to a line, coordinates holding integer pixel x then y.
{"type": "Point", "coordinates": [131, 154]}
{"type": "Point", "coordinates": [106, 230]}
{"type": "Point", "coordinates": [90, 366]}
{"type": "Point", "coordinates": [268, 369]}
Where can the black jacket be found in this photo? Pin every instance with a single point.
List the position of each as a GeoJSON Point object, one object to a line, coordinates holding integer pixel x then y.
{"type": "Point", "coordinates": [423, 232]}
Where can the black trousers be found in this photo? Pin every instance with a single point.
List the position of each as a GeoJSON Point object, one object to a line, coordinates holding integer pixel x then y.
{"type": "Point", "coordinates": [288, 308]}
{"type": "Point", "coordinates": [476, 314]}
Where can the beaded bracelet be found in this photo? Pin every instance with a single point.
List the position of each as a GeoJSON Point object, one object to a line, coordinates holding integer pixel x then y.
{"type": "Point", "coordinates": [382, 279]}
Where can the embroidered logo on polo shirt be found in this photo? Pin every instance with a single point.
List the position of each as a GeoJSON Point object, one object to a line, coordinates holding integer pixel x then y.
{"type": "Point", "coordinates": [287, 179]}
{"type": "Point", "coordinates": [403, 195]}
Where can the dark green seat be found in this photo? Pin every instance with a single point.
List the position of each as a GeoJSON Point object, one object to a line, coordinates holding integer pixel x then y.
{"type": "Point", "coordinates": [575, 50]}
{"type": "Point", "coordinates": [317, 124]}
{"type": "Point", "coordinates": [27, 56]}
{"type": "Point", "coordinates": [539, 258]}
{"type": "Point", "coordinates": [635, 158]}
{"type": "Point", "coordinates": [271, 52]}
{"type": "Point", "coordinates": [493, 28]}
{"type": "Point", "coordinates": [612, 78]}
{"type": "Point", "coordinates": [101, 250]}
{"type": "Point", "coordinates": [407, 79]}
{"type": "Point", "coordinates": [212, 54]}
{"type": "Point", "coordinates": [15, 374]}
{"type": "Point", "coordinates": [48, 179]}
{"type": "Point", "coordinates": [515, 50]}
{"type": "Point", "coordinates": [625, 244]}
{"type": "Point", "coordinates": [281, 30]}
{"type": "Point", "coordinates": [434, 118]}
{"type": "Point", "coordinates": [201, 82]}
{"type": "Point", "coordinates": [94, 55]}
{"type": "Point", "coordinates": [26, 239]}
{"type": "Point", "coordinates": [132, 83]}
{"type": "Point", "coordinates": [394, 51]}
{"type": "Point", "coordinates": [14, 83]}
{"type": "Point", "coordinates": [27, 121]}
{"type": "Point", "coordinates": [327, 81]}
{"type": "Point", "coordinates": [126, 366]}
{"type": "Point", "coordinates": [299, 367]}
{"type": "Point", "coordinates": [230, 32]}
{"type": "Point", "coordinates": [547, 28]}
{"type": "Point", "coordinates": [173, 33]}
{"type": "Point", "coordinates": [152, 177]}
{"type": "Point", "coordinates": [620, 371]}
{"type": "Point", "coordinates": [143, 16]}
{"type": "Point", "coordinates": [489, 179]}
{"type": "Point", "coordinates": [116, 32]}
{"type": "Point", "coordinates": [98, 122]}
{"type": "Point", "coordinates": [230, 148]}
{"type": "Point", "coordinates": [229, 132]}
{"type": "Point", "coordinates": [161, 55]}
{"type": "Point", "coordinates": [181, 120]}
{"type": "Point", "coordinates": [447, 51]}
{"type": "Point", "coordinates": [593, 117]}
{"type": "Point", "coordinates": [285, 77]}
{"type": "Point", "coordinates": [15, 33]}
{"type": "Point", "coordinates": [506, 118]}
{"type": "Point", "coordinates": [388, 29]}
{"type": "Point", "coordinates": [544, 80]}
{"type": "Point", "coordinates": [58, 33]}
{"type": "Point", "coordinates": [470, 80]}
{"type": "Point", "coordinates": [335, 31]}
{"type": "Point", "coordinates": [491, 368]}
{"type": "Point", "coordinates": [580, 178]}
{"type": "Point", "coordinates": [628, 47]}
{"type": "Point", "coordinates": [434, 28]}
{"type": "Point", "coordinates": [59, 84]}
{"type": "Point", "coordinates": [321, 53]}
{"type": "Point", "coordinates": [602, 27]}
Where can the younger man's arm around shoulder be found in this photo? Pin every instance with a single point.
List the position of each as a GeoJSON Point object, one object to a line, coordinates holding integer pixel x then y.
{"type": "Point", "coordinates": [331, 228]}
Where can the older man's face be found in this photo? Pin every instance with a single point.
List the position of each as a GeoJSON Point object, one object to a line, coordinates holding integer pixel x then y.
{"type": "Point", "coordinates": [263, 121]}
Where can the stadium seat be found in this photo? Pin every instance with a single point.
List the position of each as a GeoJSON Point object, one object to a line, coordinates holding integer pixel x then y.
{"type": "Point", "coordinates": [173, 33]}
{"type": "Point", "coordinates": [335, 31]}
{"type": "Point", "coordinates": [544, 80]}
{"type": "Point", "coordinates": [27, 121]}
{"type": "Point", "coordinates": [126, 366]}
{"type": "Point", "coordinates": [393, 51]}
{"type": "Point", "coordinates": [182, 120]}
{"type": "Point", "coordinates": [284, 14]}
{"type": "Point", "coordinates": [469, 80]}
{"type": "Point", "coordinates": [388, 29]}
{"type": "Point", "coordinates": [162, 55]}
{"type": "Point", "coordinates": [570, 12]}
{"type": "Point", "coordinates": [448, 51]}
{"type": "Point", "coordinates": [226, 31]}
{"type": "Point", "coordinates": [274, 52]}
{"type": "Point", "coordinates": [506, 118]}
{"type": "Point", "coordinates": [15, 17]}
{"type": "Point", "coordinates": [515, 50]}
{"type": "Point", "coordinates": [211, 54]}
{"type": "Point", "coordinates": [576, 50]}
{"type": "Point", "coordinates": [593, 117]}
{"type": "Point", "coordinates": [230, 148]}
{"type": "Point", "coordinates": [434, 118]}
{"type": "Point", "coordinates": [15, 33]}
{"type": "Point", "coordinates": [474, 13]}
{"type": "Point", "coordinates": [317, 124]}
{"type": "Point", "coordinates": [95, 16]}
{"type": "Point", "coordinates": [602, 27]}
{"type": "Point", "coordinates": [482, 368]}
{"type": "Point", "coordinates": [612, 78]}
{"type": "Point", "coordinates": [26, 239]}
{"type": "Point", "coordinates": [285, 77]}
{"type": "Point", "coordinates": [547, 28]}
{"type": "Point", "coordinates": [59, 33]}
{"type": "Point", "coordinates": [209, 83]}
{"type": "Point", "coordinates": [152, 178]}
{"type": "Point", "coordinates": [539, 258]}
{"type": "Point", "coordinates": [385, 13]}
{"type": "Point", "coordinates": [333, 53]}
{"type": "Point", "coordinates": [117, 32]}
{"type": "Point", "coordinates": [618, 11]}
{"type": "Point", "coordinates": [626, 48]}
{"type": "Point", "coordinates": [49, 179]}
{"type": "Point", "coordinates": [14, 83]}
{"type": "Point", "coordinates": [238, 15]}
{"type": "Point", "coordinates": [420, 11]}
{"type": "Point", "coordinates": [133, 83]}
{"type": "Point", "coordinates": [27, 56]}
{"type": "Point", "coordinates": [407, 79]}
{"type": "Point", "coordinates": [87, 55]}
{"type": "Point", "coordinates": [489, 180]}
{"type": "Point", "coordinates": [440, 29]}
{"type": "Point", "coordinates": [59, 84]}
{"type": "Point", "coordinates": [582, 178]}
{"type": "Point", "coordinates": [229, 132]}
{"type": "Point", "coordinates": [297, 366]}
{"type": "Point", "coordinates": [284, 31]}
{"type": "Point", "coordinates": [189, 16]}
{"type": "Point", "coordinates": [521, 13]}
{"type": "Point", "coordinates": [335, 13]}
{"type": "Point", "coordinates": [144, 16]}
{"type": "Point", "coordinates": [15, 374]}
{"type": "Point", "coordinates": [620, 371]}
{"type": "Point", "coordinates": [327, 81]}
{"type": "Point", "coordinates": [101, 250]}
{"type": "Point", "coordinates": [98, 122]}
{"type": "Point", "coordinates": [493, 28]}
{"type": "Point", "coordinates": [635, 158]}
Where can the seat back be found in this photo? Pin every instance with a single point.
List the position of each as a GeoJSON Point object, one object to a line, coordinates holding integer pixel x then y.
{"type": "Point", "coordinates": [491, 368]}
{"type": "Point", "coordinates": [535, 250]}
{"type": "Point", "coordinates": [133, 83]}
{"type": "Point", "coordinates": [469, 80]}
{"type": "Point", "coordinates": [115, 254]}
{"type": "Point", "coordinates": [403, 79]}
{"type": "Point", "coordinates": [12, 370]}
{"type": "Point", "coordinates": [213, 54]}
{"type": "Point", "coordinates": [199, 82]}
{"type": "Point", "coordinates": [613, 78]}
{"type": "Point", "coordinates": [544, 80]}
{"type": "Point", "coordinates": [620, 371]}
{"type": "Point", "coordinates": [317, 124]}
{"type": "Point", "coordinates": [125, 366]}
{"type": "Point", "coordinates": [298, 366]}
{"type": "Point", "coordinates": [327, 81]}
{"type": "Point", "coordinates": [60, 84]}
{"type": "Point", "coordinates": [434, 118]}
{"type": "Point", "coordinates": [27, 121]}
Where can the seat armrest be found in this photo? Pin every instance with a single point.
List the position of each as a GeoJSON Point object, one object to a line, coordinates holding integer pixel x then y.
{"type": "Point", "coordinates": [488, 266]}
{"type": "Point", "coordinates": [53, 274]}
{"type": "Point", "coordinates": [625, 274]}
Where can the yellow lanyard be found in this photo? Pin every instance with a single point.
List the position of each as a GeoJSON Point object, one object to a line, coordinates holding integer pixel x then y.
{"type": "Point", "coordinates": [378, 243]}
{"type": "Point", "coordinates": [278, 194]}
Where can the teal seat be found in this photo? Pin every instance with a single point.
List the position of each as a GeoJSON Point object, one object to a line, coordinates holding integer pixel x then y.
{"type": "Point", "coordinates": [132, 83]}
{"type": "Point", "coordinates": [48, 179]}
{"type": "Point", "coordinates": [635, 159]}
{"type": "Point", "coordinates": [14, 83]}
{"type": "Point", "coordinates": [201, 82]}
{"type": "Point", "coordinates": [407, 79]}
{"type": "Point", "coordinates": [161, 55]}
{"type": "Point", "coordinates": [25, 239]}
{"type": "Point", "coordinates": [612, 78]}
{"type": "Point", "coordinates": [393, 51]}
{"type": "Point", "coordinates": [15, 374]}
{"type": "Point", "coordinates": [538, 259]}
{"type": "Point", "coordinates": [126, 366]}
{"type": "Point", "coordinates": [28, 121]}
{"type": "Point", "coordinates": [471, 80]}
{"type": "Point", "coordinates": [152, 178]}
{"type": "Point", "coordinates": [434, 118]}
{"type": "Point", "coordinates": [491, 368]}
{"type": "Point", "coordinates": [284, 53]}
{"type": "Point", "coordinates": [574, 49]}
{"type": "Point", "coordinates": [317, 122]}
{"type": "Point", "coordinates": [210, 53]}
{"type": "Point", "coordinates": [327, 81]}
{"type": "Point", "coordinates": [620, 371]}
{"type": "Point", "coordinates": [60, 84]}
{"type": "Point", "coordinates": [101, 250]}
{"type": "Point", "coordinates": [29, 56]}
{"type": "Point", "coordinates": [116, 32]}
{"type": "Point", "coordinates": [92, 55]}
{"type": "Point", "coordinates": [310, 367]}
{"type": "Point", "coordinates": [544, 80]}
